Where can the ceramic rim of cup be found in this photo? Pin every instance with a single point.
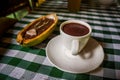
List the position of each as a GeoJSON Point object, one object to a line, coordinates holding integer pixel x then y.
{"type": "Point", "coordinates": [76, 21]}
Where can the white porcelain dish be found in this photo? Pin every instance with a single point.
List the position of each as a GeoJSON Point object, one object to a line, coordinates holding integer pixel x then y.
{"type": "Point", "coordinates": [89, 59]}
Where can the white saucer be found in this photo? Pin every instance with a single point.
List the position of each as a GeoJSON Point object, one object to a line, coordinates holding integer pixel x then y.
{"type": "Point", "coordinates": [89, 59]}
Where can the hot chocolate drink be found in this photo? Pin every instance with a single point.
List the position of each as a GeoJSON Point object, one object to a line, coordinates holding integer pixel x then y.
{"type": "Point", "coordinates": [75, 29]}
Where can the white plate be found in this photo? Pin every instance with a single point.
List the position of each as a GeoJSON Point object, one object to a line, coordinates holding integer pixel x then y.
{"type": "Point", "coordinates": [88, 59]}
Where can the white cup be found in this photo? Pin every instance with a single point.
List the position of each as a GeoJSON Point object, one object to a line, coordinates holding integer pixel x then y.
{"type": "Point", "coordinates": [71, 43]}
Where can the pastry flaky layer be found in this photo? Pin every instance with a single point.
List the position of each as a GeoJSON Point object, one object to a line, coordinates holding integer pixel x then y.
{"type": "Point", "coordinates": [38, 30]}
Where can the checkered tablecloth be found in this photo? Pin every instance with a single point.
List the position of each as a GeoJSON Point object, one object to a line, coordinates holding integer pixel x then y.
{"type": "Point", "coordinates": [30, 63]}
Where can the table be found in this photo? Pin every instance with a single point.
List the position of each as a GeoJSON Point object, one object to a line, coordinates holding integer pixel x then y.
{"type": "Point", "coordinates": [31, 63]}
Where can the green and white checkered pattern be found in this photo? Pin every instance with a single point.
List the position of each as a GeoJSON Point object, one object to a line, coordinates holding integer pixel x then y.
{"type": "Point", "coordinates": [30, 63]}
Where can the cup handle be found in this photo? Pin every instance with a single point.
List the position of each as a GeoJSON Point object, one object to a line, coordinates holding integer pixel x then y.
{"type": "Point", "coordinates": [75, 47]}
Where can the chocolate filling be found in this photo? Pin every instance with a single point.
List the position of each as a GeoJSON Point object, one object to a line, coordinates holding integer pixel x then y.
{"type": "Point", "coordinates": [40, 26]}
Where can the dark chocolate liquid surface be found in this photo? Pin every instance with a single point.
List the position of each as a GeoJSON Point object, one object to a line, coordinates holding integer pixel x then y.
{"type": "Point", "coordinates": [75, 29]}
